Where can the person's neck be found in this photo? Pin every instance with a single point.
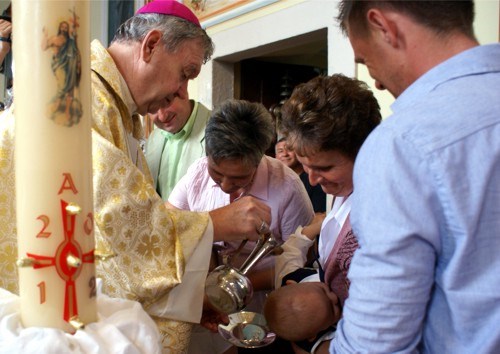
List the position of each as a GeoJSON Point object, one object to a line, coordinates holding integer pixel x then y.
{"type": "Point", "coordinates": [121, 54]}
{"type": "Point", "coordinates": [435, 51]}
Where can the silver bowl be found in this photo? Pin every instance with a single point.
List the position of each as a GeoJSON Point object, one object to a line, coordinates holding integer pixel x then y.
{"type": "Point", "coordinates": [247, 330]}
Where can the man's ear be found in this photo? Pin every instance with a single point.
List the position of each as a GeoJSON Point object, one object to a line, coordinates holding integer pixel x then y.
{"type": "Point", "coordinates": [382, 26]}
{"type": "Point", "coordinates": [150, 44]}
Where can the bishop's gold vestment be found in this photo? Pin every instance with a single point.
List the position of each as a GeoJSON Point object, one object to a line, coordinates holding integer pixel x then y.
{"type": "Point", "coordinates": [8, 233]}
{"type": "Point", "coordinates": [154, 248]}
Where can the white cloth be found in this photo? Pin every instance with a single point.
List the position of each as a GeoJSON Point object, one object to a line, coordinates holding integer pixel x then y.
{"type": "Point", "coordinates": [185, 301]}
{"type": "Point", "coordinates": [294, 255]}
{"type": "Point", "coordinates": [123, 327]}
{"type": "Point", "coordinates": [295, 249]}
{"type": "Point", "coordinates": [331, 226]}
{"type": "Point", "coordinates": [327, 336]}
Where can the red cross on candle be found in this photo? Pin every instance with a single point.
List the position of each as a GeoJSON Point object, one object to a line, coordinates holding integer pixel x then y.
{"type": "Point", "coordinates": [67, 260]}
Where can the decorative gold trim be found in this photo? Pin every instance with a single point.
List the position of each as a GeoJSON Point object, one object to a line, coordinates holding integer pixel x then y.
{"type": "Point", "coordinates": [101, 256]}
{"type": "Point", "coordinates": [76, 323]}
{"type": "Point", "coordinates": [26, 262]}
{"type": "Point", "coordinates": [73, 261]}
{"type": "Point", "coordinates": [73, 208]}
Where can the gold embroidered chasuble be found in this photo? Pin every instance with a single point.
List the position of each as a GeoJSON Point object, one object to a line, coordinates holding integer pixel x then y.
{"type": "Point", "coordinates": [151, 244]}
{"type": "Point", "coordinates": [8, 229]}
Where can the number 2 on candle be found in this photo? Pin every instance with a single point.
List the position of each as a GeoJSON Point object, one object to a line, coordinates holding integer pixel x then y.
{"type": "Point", "coordinates": [93, 287]}
{"type": "Point", "coordinates": [45, 219]}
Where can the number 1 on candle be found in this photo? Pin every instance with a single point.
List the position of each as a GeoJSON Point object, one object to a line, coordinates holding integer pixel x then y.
{"type": "Point", "coordinates": [41, 286]}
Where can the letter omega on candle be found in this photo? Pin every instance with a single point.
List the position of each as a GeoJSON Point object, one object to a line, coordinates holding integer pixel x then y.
{"type": "Point", "coordinates": [53, 157]}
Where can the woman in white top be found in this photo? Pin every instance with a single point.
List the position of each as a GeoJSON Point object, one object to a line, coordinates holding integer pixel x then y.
{"type": "Point", "coordinates": [326, 120]}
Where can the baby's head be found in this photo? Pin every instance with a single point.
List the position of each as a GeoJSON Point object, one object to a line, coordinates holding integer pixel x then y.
{"type": "Point", "coordinates": [300, 311]}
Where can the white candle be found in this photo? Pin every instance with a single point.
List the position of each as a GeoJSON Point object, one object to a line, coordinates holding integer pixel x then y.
{"type": "Point", "coordinates": [53, 156]}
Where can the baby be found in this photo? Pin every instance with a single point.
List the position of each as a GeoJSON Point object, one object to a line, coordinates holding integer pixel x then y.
{"type": "Point", "coordinates": [302, 311]}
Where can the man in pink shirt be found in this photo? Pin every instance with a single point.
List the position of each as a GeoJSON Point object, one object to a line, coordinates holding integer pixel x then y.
{"type": "Point", "coordinates": [236, 137]}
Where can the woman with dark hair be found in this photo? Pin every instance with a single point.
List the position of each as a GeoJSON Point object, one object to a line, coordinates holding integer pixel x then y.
{"type": "Point", "coordinates": [236, 137]}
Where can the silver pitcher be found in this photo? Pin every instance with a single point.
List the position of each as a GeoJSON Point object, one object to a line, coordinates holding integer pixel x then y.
{"type": "Point", "coordinates": [228, 289]}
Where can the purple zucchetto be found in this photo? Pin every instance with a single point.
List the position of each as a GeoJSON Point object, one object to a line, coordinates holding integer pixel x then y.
{"type": "Point", "coordinates": [170, 7]}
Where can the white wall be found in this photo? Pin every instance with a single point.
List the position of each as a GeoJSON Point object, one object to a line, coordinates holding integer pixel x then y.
{"type": "Point", "coordinates": [99, 20]}
{"type": "Point", "coordinates": [288, 18]}
{"type": "Point", "coordinates": [277, 21]}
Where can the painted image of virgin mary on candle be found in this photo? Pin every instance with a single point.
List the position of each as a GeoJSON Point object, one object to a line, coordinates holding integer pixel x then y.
{"type": "Point", "coordinates": [65, 108]}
